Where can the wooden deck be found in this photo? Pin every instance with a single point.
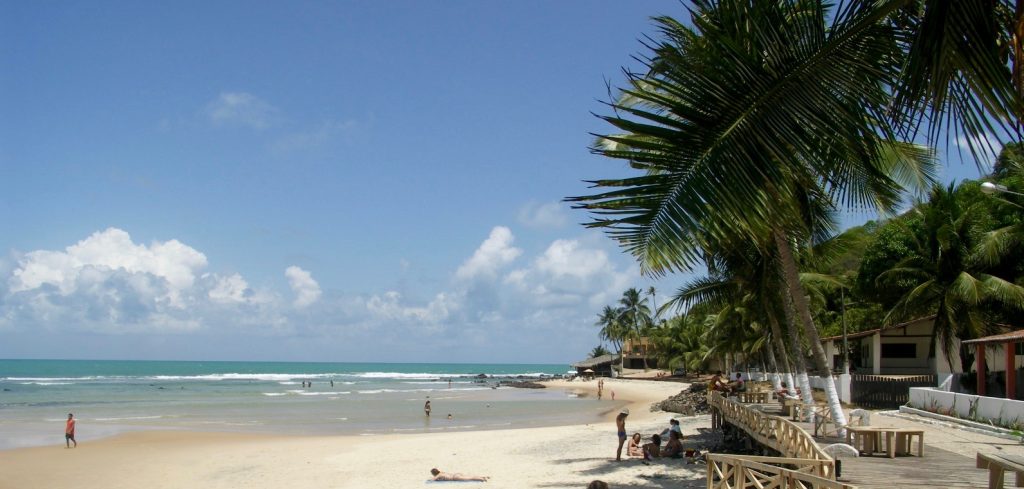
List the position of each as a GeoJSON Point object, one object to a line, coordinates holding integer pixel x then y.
{"type": "Point", "coordinates": [938, 468]}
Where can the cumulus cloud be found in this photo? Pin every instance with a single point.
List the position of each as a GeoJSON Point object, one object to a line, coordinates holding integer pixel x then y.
{"type": "Point", "coordinates": [307, 290]}
{"type": "Point", "coordinates": [389, 306]}
{"type": "Point", "coordinates": [109, 284]}
{"type": "Point", "coordinates": [229, 289]}
{"type": "Point", "coordinates": [104, 251]}
{"type": "Point", "coordinates": [241, 109]}
{"type": "Point", "coordinates": [549, 215]}
{"type": "Point", "coordinates": [493, 254]}
{"type": "Point", "coordinates": [566, 258]}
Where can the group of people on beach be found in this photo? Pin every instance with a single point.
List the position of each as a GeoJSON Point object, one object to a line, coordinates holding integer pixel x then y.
{"type": "Point", "coordinates": [651, 450]}
{"type": "Point", "coordinates": [717, 383]}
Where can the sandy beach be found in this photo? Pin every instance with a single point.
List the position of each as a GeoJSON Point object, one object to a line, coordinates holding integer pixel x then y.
{"type": "Point", "coordinates": [561, 456]}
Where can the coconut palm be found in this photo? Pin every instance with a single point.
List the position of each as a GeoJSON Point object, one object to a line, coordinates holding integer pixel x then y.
{"type": "Point", "coordinates": [634, 312]}
{"type": "Point", "coordinates": [948, 278]}
{"type": "Point", "coordinates": [598, 351]}
{"type": "Point", "coordinates": [757, 108]}
{"type": "Point", "coordinates": [681, 343]}
{"type": "Point", "coordinates": [613, 330]}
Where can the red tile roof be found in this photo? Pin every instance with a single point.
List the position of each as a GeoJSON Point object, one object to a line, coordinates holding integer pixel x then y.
{"type": "Point", "coordinates": [1011, 337]}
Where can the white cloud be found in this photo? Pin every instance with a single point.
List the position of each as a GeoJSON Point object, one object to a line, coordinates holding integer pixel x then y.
{"type": "Point", "coordinates": [110, 285]}
{"type": "Point", "coordinates": [307, 290]}
{"type": "Point", "coordinates": [229, 289]}
{"type": "Point", "coordinates": [986, 143]}
{"type": "Point", "coordinates": [566, 258]}
{"type": "Point", "coordinates": [388, 306]}
{"type": "Point", "coordinates": [241, 109]}
{"type": "Point", "coordinates": [550, 215]}
{"type": "Point", "coordinates": [493, 254]}
{"type": "Point", "coordinates": [108, 250]}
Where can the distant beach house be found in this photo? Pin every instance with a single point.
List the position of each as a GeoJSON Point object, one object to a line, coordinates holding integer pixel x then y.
{"type": "Point", "coordinates": [601, 366]}
{"type": "Point", "coordinates": [635, 350]}
{"type": "Point", "coordinates": [899, 349]}
{"type": "Point", "coordinates": [903, 350]}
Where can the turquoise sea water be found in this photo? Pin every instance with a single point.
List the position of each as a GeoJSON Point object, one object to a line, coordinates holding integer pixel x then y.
{"type": "Point", "coordinates": [110, 397]}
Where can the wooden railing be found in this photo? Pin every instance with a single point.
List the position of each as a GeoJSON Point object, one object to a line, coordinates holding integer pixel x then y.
{"type": "Point", "coordinates": [774, 432]}
{"type": "Point", "coordinates": [734, 472]}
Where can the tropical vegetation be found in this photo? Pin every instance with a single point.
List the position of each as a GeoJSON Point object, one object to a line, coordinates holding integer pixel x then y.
{"type": "Point", "coordinates": [753, 124]}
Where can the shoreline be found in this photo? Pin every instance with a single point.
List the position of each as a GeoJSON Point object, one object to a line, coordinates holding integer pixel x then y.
{"type": "Point", "coordinates": [555, 456]}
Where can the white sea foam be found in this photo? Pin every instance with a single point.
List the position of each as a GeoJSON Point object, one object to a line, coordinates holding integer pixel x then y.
{"type": "Point", "coordinates": [128, 418]}
{"type": "Point", "coordinates": [46, 383]}
{"type": "Point", "coordinates": [275, 394]}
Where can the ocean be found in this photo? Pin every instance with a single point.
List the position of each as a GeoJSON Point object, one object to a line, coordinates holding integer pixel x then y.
{"type": "Point", "coordinates": [110, 397]}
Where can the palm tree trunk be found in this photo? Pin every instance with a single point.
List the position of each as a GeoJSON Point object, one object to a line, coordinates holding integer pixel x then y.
{"type": "Point", "coordinates": [774, 366]}
{"type": "Point", "coordinates": [783, 368]}
{"type": "Point", "coordinates": [791, 277]}
{"type": "Point", "coordinates": [796, 351]}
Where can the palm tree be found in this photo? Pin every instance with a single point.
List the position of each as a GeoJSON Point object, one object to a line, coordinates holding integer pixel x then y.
{"type": "Point", "coordinates": [613, 330]}
{"type": "Point", "coordinates": [949, 278]}
{"type": "Point", "coordinates": [598, 351]}
{"type": "Point", "coordinates": [634, 312]}
{"type": "Point", "coordinates": [759, 107]}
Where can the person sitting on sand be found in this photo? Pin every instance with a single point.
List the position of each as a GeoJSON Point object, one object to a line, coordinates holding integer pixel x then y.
{"type": "Point", "coordinates": [673, 426]}
{"type": "Point", "coordinates": [444, 476]}
{"type": "Point", "coordinates": [653, 449]}
{"type": "Point", "coordinates": [635, 449]}
{"type": "Point", "coordinates": [674, 447]}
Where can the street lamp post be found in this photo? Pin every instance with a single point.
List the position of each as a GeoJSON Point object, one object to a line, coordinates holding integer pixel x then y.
{"type": "Point", "coordinates": [846, 347]}
{"type": "Point", "coordinates": [991, 188]}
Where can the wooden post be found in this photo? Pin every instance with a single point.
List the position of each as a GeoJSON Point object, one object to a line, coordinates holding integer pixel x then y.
{"type": "Point", "coordinates": [1011, 370]}
{"type": "Point", "coordinates": [981, 368]}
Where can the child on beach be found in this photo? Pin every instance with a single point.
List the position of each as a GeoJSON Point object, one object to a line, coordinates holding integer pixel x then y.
{"type": "Point", "coordinates": [635, 449]}
{"type": "Point", "coordinates": [620, 424]}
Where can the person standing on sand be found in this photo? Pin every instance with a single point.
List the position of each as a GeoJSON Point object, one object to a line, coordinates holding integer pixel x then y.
{"type": "Point", "coordinates": [69, 432]}
{"type": "Point", "coordinates": [426, 406]}
{"type": "Point", "coordinates": [620, 423]}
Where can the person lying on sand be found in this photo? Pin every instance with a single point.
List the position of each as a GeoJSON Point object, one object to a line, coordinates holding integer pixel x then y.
{"type": "Point", "coordinates": [635, 449]}
{"type": "Point", "coordinates": [444, 476]}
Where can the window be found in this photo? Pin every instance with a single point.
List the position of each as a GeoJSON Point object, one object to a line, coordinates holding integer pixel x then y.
{"type": "Point", "coordinates": [899, 350]}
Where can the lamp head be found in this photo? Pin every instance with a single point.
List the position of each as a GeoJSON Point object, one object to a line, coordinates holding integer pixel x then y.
{"type": "Point", "coordinates": [991, 188]}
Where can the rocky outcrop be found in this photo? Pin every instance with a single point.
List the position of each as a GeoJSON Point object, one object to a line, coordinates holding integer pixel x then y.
{"type": "Point", "coordinates": [689, 402]}
{"type": "Point", "coordinates": [523, 384]}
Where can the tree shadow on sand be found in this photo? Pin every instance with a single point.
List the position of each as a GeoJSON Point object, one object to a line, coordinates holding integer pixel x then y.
{"type": "Point", "coordinates": [666, 473]}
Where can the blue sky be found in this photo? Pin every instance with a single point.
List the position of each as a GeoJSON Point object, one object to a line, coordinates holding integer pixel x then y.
{"type": "Point", "coordinates": [334, 181]}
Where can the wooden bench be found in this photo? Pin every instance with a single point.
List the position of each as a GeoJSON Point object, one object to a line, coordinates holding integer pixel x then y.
{"type": "Point", "coordinates": [753, 397]}
{"type": "Point", "coordinates": [998, 464]}
{"type": "Point", "coordinates": [824, 423]}
{"type": "Point", "coordinates": [868, 439]}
